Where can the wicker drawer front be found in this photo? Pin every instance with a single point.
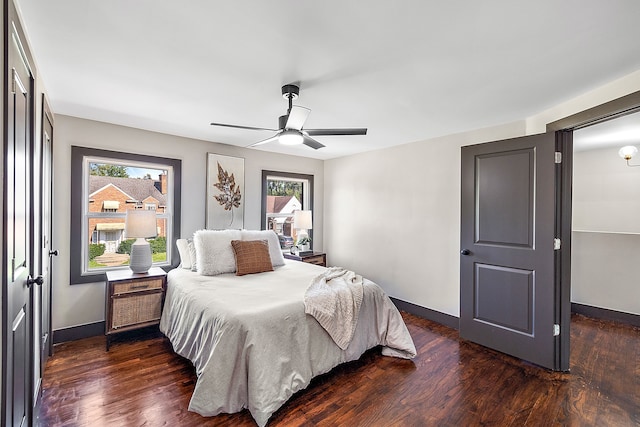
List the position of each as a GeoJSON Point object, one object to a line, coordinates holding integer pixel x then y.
{"type": "Point", "coordinates": [129, 286]}
{"type": "Point", "coordinates": [318, 260]}
{"type": "Point", "coordinates": [135, 309]}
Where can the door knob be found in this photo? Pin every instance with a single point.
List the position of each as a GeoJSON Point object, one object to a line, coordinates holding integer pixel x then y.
{"type": "Point", "coordinates": [53, 253]}
{"type": "Point", "coordinates": [38, 281]}
{"type": "Point", "coordinates": [465, 252]}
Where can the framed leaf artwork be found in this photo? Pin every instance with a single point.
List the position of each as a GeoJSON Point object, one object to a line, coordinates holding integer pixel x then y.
{"type": "Point", "coordinates": [225, 192]}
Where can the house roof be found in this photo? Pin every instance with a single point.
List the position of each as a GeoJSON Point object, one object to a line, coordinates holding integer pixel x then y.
{"type": "Point", "coordinates": [275, 204]}
{"type": "Point", "coordinates": [410, 70]}
{"type": "Point", "coordinates": [136, 188]}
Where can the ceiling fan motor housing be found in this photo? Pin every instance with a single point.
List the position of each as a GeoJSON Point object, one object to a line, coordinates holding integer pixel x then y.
{"type": "Point", "coordinates": [290, 91]}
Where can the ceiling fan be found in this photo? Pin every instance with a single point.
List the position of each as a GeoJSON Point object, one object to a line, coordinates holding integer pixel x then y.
{"type": "Point", "coordinates": [290, 131]}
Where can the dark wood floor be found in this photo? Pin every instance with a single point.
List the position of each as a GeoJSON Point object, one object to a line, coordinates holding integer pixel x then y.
{"type": "Point", "coordinates": [450, 383]}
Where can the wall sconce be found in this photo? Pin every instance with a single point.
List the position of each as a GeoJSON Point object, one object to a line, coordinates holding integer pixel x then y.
{"type": "Point", "coordinates": [627, 153]}
{"type": "Point", "coordinates": [140, 224]}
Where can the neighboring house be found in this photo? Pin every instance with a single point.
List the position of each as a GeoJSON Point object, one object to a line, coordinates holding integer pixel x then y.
{"type": "Point", "coordinates": [117, 195]}
{"type": "Point", "coordinates": [277, 209]}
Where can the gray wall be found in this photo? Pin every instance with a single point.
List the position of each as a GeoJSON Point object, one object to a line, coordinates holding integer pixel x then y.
{"type": "Point", "coordinates": [75, 305]}
{"type": "Point", "coordinates": [394, 214]}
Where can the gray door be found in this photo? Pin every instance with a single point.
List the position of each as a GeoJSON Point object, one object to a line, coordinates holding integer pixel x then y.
{"type": "Point", "coordinates": [507, 276]}
{"type": "Point", "coordinates": [18, 357]}
{"type": "Point", "coordinates": [42, 307]}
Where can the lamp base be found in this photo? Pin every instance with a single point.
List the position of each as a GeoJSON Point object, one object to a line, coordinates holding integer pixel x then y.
{"type": "Point", "coordinates": [140, 260]}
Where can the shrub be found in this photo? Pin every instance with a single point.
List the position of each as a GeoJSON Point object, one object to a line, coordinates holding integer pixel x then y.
{"type": "Point", "coordinates": [125, 246]}
{"type": "Point", "coordinates": [158, 245]}
{"type": "Point", "coordinates": [95, 250]}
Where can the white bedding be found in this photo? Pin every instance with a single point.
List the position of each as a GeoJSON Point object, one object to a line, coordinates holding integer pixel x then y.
{"type": "Point", "coordinates": [251, 342]}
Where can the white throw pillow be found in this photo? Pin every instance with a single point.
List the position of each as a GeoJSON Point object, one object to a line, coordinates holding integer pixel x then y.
{"type": "Point", "coordinates": [192, 253]}
{"type": "Point", "coordinates": [185, 256]}
{"type": "Point", "coordinates": [274, 244]}
{"type": "Point", "coordinates": [214, 254]}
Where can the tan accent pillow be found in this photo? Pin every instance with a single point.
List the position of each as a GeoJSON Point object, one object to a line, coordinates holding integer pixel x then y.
{"type": "Point", "coordinates": [252, 256]}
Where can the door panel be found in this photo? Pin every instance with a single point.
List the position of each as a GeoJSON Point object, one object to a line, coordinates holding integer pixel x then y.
{"type": "Point", "coordinates": [505, 179]}
{"type": "Point", "coordinates": [507, 281]}
{"type": "Point", "coordinates": [19, 367]}
{"type": "Point", "coordinates": [500, 293]}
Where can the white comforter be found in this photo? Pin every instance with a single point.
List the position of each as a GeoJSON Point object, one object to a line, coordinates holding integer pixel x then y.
{"type": "Point", "coordinates": [251, 342]}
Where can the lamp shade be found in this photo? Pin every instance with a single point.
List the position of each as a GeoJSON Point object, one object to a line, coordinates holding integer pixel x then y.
{"type": "Point", "coordinates": [302, 220]}
{"type": "Point", "coordinates": [627, 152]}
{"type": "Point", "coordinates": [140, 223]}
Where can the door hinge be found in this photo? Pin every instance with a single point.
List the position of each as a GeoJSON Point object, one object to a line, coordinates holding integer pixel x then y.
{"type": "Point", "coordinates": [556, 330]}
{"type": "Point", "coordinates": [556, 244]}
{"type": "Point", "coordinates": [558, 157]}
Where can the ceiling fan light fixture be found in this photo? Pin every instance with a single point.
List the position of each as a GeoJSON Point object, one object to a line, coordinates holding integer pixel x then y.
{"type": "Point", "coordinates": [290, 137]}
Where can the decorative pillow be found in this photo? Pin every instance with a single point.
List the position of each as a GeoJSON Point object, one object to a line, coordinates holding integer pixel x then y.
{"type": "Point", "coordinates": [274, 244]}
{"type": "Point", "coordinates": [185, 256]}
{"type": "Point", "coordinates": [192, 254]}
{"type": "Point", "coordinates": [252, 256]}
{"type": "Point", "coordinates": [214, 254]}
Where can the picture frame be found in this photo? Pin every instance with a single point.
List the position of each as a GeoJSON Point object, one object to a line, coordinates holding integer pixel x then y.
{"type": "Point", "coordinates": [225, 192]}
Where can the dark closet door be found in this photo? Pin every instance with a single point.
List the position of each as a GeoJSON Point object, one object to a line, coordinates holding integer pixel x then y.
{"type": "Point", "coordinates": [507, 274]}
{"type": "Point", "coordinates": [44, 235]}
{"type": "Point", "coordinates": [19, 222]}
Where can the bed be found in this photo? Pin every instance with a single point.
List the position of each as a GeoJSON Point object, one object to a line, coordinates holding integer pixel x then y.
{"type": "Point", "coordinates": [251, 342]}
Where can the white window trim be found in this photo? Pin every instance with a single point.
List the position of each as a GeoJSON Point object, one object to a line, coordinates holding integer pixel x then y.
{"type": "Point", "coordinates": [86, 215]}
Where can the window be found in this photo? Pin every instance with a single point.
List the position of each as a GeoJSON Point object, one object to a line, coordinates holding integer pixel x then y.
{"type": "Point", "coordinates": [104, 185]}
{"type": "Point", "coordinates": [282, 194]}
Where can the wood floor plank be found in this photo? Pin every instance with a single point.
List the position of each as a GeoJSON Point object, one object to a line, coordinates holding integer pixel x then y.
{"type": "Point", "coordinates": [141, 382]}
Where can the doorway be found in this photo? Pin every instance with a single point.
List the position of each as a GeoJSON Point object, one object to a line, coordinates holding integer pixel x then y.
{"type": "Point", "coordinates": [606, 230]}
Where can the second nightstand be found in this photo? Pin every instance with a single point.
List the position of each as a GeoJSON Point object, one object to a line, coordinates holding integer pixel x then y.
{"type": "Point", "coordinates": [317, 258]}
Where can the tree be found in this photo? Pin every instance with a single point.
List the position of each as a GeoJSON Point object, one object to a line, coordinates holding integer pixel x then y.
{"type": "Point", "coordinates": [284, 188]}
{"type": "Point", "coordinates": [101, 169]}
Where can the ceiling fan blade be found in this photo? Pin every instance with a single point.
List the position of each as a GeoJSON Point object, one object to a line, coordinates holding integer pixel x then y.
{"type": "Point", "coordinates": [242, 127]}
{"type": "Point", "coordinates": [297, 116]}
{"type": "Point", "coordinates": [330, 132]}
{"type": "Point", "coordinates": [310, 142]}
{"type": "Point", "coordinates": [265, 141]}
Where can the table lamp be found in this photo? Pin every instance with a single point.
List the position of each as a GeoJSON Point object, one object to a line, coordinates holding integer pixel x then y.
{"type": "Point", "coordinates": [140, 224]}
{"type": "Point", "coordinates": [302, 221]}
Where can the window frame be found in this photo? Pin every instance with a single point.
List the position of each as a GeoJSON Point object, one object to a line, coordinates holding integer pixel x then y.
{"type": "Point", "coordinates": [78, 234]}
{"type": "Point", "coordinates": [266, 174]}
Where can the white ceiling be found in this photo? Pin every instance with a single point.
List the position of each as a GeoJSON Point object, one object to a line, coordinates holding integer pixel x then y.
{"type": "Point", "coordinates": [407, 70]}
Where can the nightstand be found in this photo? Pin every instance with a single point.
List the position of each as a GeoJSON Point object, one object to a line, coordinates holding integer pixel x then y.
{"type": "Point", "coordinates": [317, 258]}
{"type": "Point", "coordinates": [133, 301]}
